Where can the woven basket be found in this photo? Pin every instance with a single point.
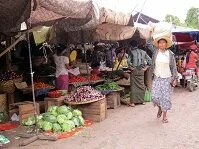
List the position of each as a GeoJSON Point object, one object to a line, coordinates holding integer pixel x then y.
{"type": "Point", "coordinates": [3, 103]}
{"type": "Point", "coordinates": [9, 86]}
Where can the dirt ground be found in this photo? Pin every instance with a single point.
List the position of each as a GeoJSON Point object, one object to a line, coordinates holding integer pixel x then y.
{"type": "Point", "coordinates": [138, 128]}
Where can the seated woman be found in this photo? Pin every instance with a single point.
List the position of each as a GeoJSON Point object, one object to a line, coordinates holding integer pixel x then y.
{"type": "Point", "coordinates": [123, 57]}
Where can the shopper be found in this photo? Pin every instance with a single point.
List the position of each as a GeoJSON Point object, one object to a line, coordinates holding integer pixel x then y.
{"type": "Point", "coordinates": [138, 61]}
{"type": "Point", "coordinates": [62, 66]}
{"type": "Point", "coordinates": [164, 75]}
{"type": "Point", "coordinates": [192, 58]}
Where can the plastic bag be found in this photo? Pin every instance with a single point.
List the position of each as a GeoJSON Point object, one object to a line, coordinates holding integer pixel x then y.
{"type": "Point", "coordinates": [147, 96]}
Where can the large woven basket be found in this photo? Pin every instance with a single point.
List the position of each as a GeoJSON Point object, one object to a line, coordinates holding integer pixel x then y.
{"type": "Point", "coordinates": [3, 103]}
{"type": "Point", "coordinates": [9, 86]}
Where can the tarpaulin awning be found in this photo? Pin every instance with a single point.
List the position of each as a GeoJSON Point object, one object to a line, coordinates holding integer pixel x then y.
{"type": "Point", "coordinates": [13, 13]}
{"type": "Point", "coordinates": [102, 32]}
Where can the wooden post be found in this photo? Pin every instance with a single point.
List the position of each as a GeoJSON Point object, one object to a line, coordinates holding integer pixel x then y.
{"type": "Point", "coordinates": [8, 54]}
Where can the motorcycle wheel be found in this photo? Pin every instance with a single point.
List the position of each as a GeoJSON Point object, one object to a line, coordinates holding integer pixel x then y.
{"type": "Point", "coordinates": [190, 86]}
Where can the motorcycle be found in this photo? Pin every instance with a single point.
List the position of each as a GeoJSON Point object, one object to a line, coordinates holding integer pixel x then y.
{"type": "Point", "coordinates": [191, 79]}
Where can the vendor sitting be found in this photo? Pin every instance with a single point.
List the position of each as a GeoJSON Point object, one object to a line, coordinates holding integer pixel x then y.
{"type": "Point", "coordinates": [95, 68]}
{"type": "Point", "coordinates": [122, 58]}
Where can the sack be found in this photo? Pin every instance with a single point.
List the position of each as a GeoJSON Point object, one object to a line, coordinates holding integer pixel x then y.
{"type": "Point", "coordinates": [161, 29]}
{"type": "Point", "coordinates": [147, 96]}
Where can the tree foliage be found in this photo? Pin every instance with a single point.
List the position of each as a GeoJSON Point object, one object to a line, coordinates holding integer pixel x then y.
{"type": "Point", "coordinates": [174, 19]}
{"type": "Point", "coordinates": [192, 19]}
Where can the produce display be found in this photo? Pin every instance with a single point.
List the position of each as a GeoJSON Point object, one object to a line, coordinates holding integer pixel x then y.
{"type": "Point", "coordinates": [85, 93]}
{"type": "Point", "coordinates": [54, 94]}
{"type": "Point", "coordinates": [9, 75]}
{"type": "Point", "coordinates": [57, 119]}
{"type": "Point", "coordinates": [95, 77]}
{"type": "Point", "coordinates": [40, 85]}
{"type": "Point", "coordinates": [108, 86]}
{"type": "Point", "coordinates": [76, 79]}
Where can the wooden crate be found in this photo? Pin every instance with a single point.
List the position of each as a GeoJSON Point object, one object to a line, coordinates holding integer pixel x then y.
{"type": "Point", "coordinates": [96, 111]}
{"type": "Point", "coordinates": [53, 102]}
{"type": "Point", "coordinates": [113, 100]}
{"type": "Point", "coordinates": [23, 109]}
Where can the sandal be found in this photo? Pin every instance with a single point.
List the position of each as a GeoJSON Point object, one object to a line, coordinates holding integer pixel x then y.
{"type": "Point", "coordinates": [159, 114]}
{"type": "Point", "coordinates": [165, 121]}
{"type": "Point", "coordinates": [131, 105]}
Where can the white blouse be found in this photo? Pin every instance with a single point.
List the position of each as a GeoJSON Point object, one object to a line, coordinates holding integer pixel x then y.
{"type": "Point", "coordinates": [61, 62]}
{"type": "Point", "coordinates": [162, 68]}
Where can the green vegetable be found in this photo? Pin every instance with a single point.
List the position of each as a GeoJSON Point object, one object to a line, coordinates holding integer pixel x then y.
{"type": "Point", "coordinates": [63, 109]}
{"type": "Point", "coordinates": [108, 86]}
{"type": "Point", "coordinates": [56, 127]}
{"type": "Point", "coordinates": [77, 113]}
{"type": "Point", "coordinates": [47, 126]}
{"type": "Point", "coordinates": [61, 119]}
{"type": "Point", "coordinates": [71, 124]}
{"type": "Point", "coordinates": [53, 110]}
{"type": "Point", "coordinates": [40, 123]}
{"type": "Point", "coordinates": [39, 117]}
{"type": "Point", "coordinates": [69, 115]}
{"type": "Point", "coordinates": [76, 121]}
{"type": "Point", "coordinates": [29, 121]}
{"type": "Point", "coordinates": [50, 118]}
{"type": "Point", "coordinates": [66, 127]}
{"type": "Point", "coordinates": [81, 120]}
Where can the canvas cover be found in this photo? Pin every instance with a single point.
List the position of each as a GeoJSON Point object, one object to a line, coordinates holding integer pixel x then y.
{"type": "Point", "coordinates": [12, 14]}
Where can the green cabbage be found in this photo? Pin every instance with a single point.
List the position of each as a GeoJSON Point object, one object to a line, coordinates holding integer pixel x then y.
{"type": "Point", "coordinates": [61, 119]}
{"type": "Point", "coordinates": [40, 123]}
{"type": "Point", "coordinates": [66, 127]}
{"type": "Point", "coordinates": [76, 121]}
{"type": "Point", "coordinates": [56, 127]}
{"type": "Point", "coordinates": [77, 113]}
{"type": "Point", "coordinates": [53, 110]}
{"type": "Point", "coordinates": [81, 120]}
{"type": "Point", "coordinates": [29, 121]}
{"type": "Point", "coordinates": [50, 118]}
{"type": "Point", "coordinates": [63, 109]}
{"type": "Point", "coordinates": [70, 123]}
{"type": "Point", "coordinates": [46, 126]}
{"type": "Point", "coordinates": [39, 117]}
{"type": "Point", "coordinates": [69, 115]}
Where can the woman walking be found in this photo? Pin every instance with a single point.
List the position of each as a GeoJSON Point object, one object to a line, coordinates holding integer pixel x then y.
{"type": "Point", "coordinates": [164, 75]}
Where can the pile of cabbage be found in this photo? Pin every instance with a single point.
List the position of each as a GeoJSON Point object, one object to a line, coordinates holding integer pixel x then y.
{"type": "Point", "coordinates": [57, 119]}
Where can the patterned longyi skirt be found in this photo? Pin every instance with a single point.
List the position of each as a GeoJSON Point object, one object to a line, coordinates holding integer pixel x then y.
{"type": "Point", "coordinates": [161, 93]}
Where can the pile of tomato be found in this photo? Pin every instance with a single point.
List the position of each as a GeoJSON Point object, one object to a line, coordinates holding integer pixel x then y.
{"type": "Point", "coordinates": [77, 79]}
{"type": "Point", "coordinates": [54, 94]}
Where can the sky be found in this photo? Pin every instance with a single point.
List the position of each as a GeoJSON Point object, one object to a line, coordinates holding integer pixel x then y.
{"type": "Point", "coordinates": [154, 8]}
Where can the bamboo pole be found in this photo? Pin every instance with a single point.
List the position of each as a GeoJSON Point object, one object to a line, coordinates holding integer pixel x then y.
{"type": "Point", "coordinates": [11, 46]}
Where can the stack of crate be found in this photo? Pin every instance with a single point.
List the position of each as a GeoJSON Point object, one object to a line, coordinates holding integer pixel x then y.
{"type": "Point", "coordinates": [53, 102]}
{"type": "Point", "coordinates": [113, 100]}
{"type": "Point", "coordinates": [23, 109]}
{"type": "Point", "coordinates": [96, 111]}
